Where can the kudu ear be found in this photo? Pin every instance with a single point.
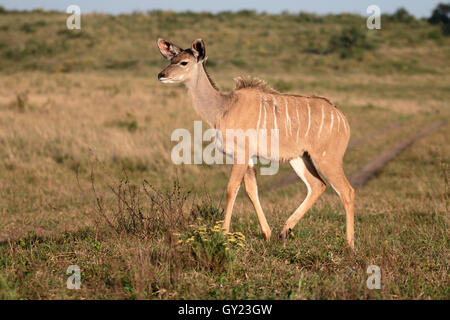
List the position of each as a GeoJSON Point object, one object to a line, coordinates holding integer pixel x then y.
{"type": "Point", "coordinates": [167, 49]}
{"type": "Point", "coordinates": [198, 48]}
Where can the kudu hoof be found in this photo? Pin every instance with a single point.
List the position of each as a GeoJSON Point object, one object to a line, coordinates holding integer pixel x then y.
{"type": "Point", "coordinates": [284, 235]}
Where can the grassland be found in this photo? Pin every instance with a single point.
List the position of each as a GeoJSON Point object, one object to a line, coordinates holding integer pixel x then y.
{"type": "Point", "coordinates": [86, 176]}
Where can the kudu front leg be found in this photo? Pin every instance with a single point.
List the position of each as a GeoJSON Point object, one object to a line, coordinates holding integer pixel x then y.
{"type": "Point", "coordinates": [237, 174]}
{"type": "Point", "coordinates": [252, 191]}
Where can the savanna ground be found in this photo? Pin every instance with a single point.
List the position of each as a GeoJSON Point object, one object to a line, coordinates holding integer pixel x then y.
{"type": "Point", "coordinates": [86, 176]}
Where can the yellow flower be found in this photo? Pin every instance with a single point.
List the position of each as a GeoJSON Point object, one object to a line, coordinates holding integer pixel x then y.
{"type": "Point", "coordinates": [239, 235]}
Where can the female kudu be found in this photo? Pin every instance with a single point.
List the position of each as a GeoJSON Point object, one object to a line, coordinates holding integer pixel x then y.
{"type": "Point", "coordinates": [312, 133]}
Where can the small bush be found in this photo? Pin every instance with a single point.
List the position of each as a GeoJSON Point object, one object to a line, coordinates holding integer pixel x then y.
{"type": "Point", "coordinates": [309, 17]}
{"type": "Point", "coordinates": [441, 14]}
{"type": "Point", "coordinates": [400, 15]}
{"type": "Point", "coordinates": [129, 124]}
{"type": "Point", "coordinates": [27, 28]}
{"type": "Point", "coordinates": [210, 247]}
{"type": "Point", "coordinates": [246, 13]}
{"type": "Point", "coordinates": [132, 126]}
{"type": "Point", "coordinates": [21, 102]}
{"type": "Point", "coordinates": [143, 210]}
{"type": "Point", "coordinates": [350, 42]}
{"type": "Point", "coordinates": [163, 217]}
{"type": "Point", "coordinates": [434, 35]}
{"type": "Point", "coordinates": [207, 211]}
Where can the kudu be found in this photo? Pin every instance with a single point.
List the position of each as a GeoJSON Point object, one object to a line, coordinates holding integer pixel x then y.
{"type": "Point", "coordinates": [313, 134]}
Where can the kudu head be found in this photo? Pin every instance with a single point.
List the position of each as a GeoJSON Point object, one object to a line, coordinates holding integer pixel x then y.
{"type": "Point", "coordinates": [184, 64]}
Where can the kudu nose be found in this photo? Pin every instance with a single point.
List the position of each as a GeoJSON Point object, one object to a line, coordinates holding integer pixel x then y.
{"type": "Point", "coordinates": [160, 75]}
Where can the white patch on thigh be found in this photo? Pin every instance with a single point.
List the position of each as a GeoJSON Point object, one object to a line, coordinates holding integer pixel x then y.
{"type": "Point", "coordinates": [299, 167]}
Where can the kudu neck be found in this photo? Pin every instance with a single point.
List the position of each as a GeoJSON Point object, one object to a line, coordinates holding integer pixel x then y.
{"type": "Point", "coordinates": [207, 99]}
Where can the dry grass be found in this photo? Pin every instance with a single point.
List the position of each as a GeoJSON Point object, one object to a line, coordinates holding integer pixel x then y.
{"type": "Point", "coordinates": [71, 119]}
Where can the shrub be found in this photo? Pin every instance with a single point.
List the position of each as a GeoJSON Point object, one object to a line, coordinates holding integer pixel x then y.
{"type": "Point", "coordinates": [130, 123]}
{"type": "Point", "coordinates": [210, 247]}
{"type": "Point", "coordinates": [21, 102]}
{"type": "Point", "coordinates": [400, 15]}
{"type": "Point", "coordinates": [207, 211]}
{"type": "Point", "coordinates": [143, 211]}
{"type": "Point", "coordinates": [309, 17]}
{"type": "Point", "coordinates": [350, 42]}
{"type": "Point", "coordinates": [441, 16]}
{"type": "Point", "coordinates": [31, 27]}
{"type": "Point", "coordinates": [27, 28]}
{"type": "Point", "coordinates": [246, 13]}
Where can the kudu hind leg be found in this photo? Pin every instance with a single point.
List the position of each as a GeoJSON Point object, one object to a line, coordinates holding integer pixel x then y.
{"type": "Point", "coordinates": [306, 171]}
{"type": "Point", "coordinates": [252, 191]}
{"type": "Point", "coordinates": [335, 175]}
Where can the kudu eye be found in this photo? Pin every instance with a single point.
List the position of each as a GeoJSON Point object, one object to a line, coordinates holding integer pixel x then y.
{"type": "Point", "coordinates": [183, 63]}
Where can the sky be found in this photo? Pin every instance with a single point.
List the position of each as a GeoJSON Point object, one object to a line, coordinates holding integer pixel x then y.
{"type": "Point", "coordinates": [419, 8]}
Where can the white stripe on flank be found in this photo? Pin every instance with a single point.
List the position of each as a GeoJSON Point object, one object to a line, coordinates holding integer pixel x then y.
{"type": "Point", "coordinates": [298, 118]}
{"type": "Point", "coordinates": [321, 123]}
{"type": "Point", "coordinates": [288, 119]}
{"type": "Point", "coordinates": [343, 121]}
{"type": "Point", "coordinates": [332, 120]}
{"type": "Point", "coordinates": [339, 119]}
{"type": "Point", "coordinates": [274, 113]}
{"type": "Point", "coordinates": [259, 118]}
{"type": "Point", "coordinates": [265, 113]}
{"type": "Point", "coordinates": [309, 118]}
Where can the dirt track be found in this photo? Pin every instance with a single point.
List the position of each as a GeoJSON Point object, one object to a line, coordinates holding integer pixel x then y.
{"type": "Point", "coordinates": [360, 178]}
